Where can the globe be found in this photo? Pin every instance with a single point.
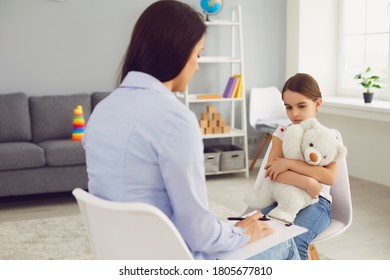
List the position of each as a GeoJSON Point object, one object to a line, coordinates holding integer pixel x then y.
{"type": "Point", "coordinates": [211, 7]}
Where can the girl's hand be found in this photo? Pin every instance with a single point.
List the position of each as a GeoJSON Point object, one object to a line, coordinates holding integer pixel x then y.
{"type": "Point", "coordinates": [313, 187]}
{"type": "Point", "coordinates": [278, 166]}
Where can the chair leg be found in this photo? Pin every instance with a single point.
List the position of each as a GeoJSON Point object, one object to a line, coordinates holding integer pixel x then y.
{"type": "Point", "coordinates": [312, 252]}
{"type": "Point", "coordinates": [259, 149]}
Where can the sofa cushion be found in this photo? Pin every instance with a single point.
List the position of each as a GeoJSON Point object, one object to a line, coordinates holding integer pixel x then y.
{"type": "Point", "coordinates": [63, 152]}
{"type": "Point", "coordinates": [96, 97]}
{"type": "Point", "coordinates": [21, 155]}
{"type": "Point", "coordinates": [52, 116]}
{"type": "Point", "coordinates": [15, 122]}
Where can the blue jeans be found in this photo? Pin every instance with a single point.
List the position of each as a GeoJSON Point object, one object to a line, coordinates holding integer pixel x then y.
{"type": "Point", "coordinates": [286, 250]}
{"type": "Point", "coordinates": [315, 217]}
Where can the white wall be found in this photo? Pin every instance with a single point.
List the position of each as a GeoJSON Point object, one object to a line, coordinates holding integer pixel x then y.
{"type": "Point", "coordinates": [368, 144]}
{"type": "Point", "coordinates": [312, 43]}
{"type": "Point", "coordinates": [51, 47]}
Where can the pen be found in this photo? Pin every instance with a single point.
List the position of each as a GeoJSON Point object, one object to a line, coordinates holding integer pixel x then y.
{"type": "Point", "coordinates": [235, 218]}
{"type": "Point", "coordinates": [264, 218]}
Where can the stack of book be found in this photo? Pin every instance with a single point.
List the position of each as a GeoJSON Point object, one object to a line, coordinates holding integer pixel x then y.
{"type": "Point", "coordinates": [233, 87]}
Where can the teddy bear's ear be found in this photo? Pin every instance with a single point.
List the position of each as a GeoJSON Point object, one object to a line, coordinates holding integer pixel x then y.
{"type": "Point", "coordinates": [310, 123]}
{"type": "Point", "coordinates": [341, 152]}
{"type": "Point", "coordinates": [341, 149]}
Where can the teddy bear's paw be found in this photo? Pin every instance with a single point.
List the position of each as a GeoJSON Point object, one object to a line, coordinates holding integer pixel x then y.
{"type": "Point", "coordinates": [282, 215]}
{"type": "Point", "coordinates": [257, 200]}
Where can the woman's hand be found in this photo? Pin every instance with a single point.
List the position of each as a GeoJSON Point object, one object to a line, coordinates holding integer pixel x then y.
{"type": "Point", "coordinates": [254, 228]}
{"type": "Point", "coordinates": [276, 167]}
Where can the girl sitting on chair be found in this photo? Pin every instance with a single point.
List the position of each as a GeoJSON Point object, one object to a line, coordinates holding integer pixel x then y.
{"type": "Point", "coordinates": [302, 98]}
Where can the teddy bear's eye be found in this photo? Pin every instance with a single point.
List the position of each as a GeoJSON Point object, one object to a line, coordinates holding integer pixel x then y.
{"type": "Point", "coordinates": [324, 157]}
{"type": "Point", "coordinates": [311, 145]}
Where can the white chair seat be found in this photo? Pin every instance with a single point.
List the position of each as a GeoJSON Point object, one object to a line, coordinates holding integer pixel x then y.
{"type": "Point", "coordinates": [335, 228]}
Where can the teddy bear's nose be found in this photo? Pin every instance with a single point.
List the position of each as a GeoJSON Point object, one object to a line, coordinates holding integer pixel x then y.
{"type": "Point", "coordinates": [313, 157]}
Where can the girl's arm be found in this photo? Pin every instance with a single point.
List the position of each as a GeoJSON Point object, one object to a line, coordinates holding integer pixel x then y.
{"type": "Point", "coordinates": [296, 172]}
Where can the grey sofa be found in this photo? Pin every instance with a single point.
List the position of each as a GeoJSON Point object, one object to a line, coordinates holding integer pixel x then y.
{"type": "Point", "coordinates": [37, 154]}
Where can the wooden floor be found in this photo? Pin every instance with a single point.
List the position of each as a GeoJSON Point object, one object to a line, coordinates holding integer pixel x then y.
{"type": "Point", "coordinates": [367, 239]}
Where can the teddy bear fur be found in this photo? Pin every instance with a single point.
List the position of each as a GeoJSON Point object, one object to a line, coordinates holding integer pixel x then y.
{"type": "Point", "coordinates": [309, 141]}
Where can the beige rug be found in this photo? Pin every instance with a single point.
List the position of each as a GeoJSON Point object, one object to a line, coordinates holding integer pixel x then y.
{"type": "Point", "coordinates": [57, 238]}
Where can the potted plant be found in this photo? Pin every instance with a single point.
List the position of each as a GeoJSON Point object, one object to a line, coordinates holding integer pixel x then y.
{"type": "Point", "coordinates": [368, 81]}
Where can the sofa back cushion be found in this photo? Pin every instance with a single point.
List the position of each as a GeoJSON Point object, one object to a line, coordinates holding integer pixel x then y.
{"type": "Point", "coordinates": [52, 115]}
{"type": "Point", "coordinates": [98, 96]}
{"type": "Point", "coordinates": [15, 125]}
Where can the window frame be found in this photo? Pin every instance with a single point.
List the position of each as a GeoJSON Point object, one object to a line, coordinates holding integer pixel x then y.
{"type": "Point", "coordinates": [380, 94]}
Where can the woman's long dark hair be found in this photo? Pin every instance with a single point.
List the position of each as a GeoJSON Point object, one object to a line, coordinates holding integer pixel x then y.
{"type": "Point", "coordinates": [163, 39]}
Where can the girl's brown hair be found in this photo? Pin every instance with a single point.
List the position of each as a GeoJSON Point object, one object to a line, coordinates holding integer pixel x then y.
{"type": "Point", "coordinates": [163, 39]}
{"type": "Point", "coordinates": [303, 84]}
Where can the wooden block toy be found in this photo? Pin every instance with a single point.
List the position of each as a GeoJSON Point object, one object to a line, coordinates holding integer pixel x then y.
{"type": "Point", "coordinates": [226, 129]}
{"type": "Point", "coordinates": [217, 130]}
{"type": "Point", "coordinates": [203, 123]}
{"type": "Point", "coordinates": [221, 123]}
{"type": "Point", "coordinates": [205, 116]}
{"type": "Point", "coordinates": [216, 116]}
{"type": "Point", "coordinates": [208, 130]}
{"type": "Point", "coordinates": [212, 123]}
{"type": "Point", "coordinates": [211, 109]}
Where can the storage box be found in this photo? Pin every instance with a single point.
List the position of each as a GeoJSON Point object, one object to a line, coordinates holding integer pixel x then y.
{"type": "Point", "coordinates": [231, 158]}
{"type": "Point", "coordinates": [211, 160]}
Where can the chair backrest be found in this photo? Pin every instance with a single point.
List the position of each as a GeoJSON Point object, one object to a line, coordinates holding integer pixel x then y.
{"type": "Point", "coordinates": [131, 231]}
{"type": "Point", "coordinates": [340, 191]}
{"type": "Point", "coordinates": [265, 103]}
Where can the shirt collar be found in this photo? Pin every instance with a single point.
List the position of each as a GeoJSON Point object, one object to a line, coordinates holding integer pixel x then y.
{"type": "Point", "coordinates": [137, 79]}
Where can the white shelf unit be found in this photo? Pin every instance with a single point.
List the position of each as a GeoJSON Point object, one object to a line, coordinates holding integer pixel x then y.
{"type": "Point", "coordinates": [238, 134]}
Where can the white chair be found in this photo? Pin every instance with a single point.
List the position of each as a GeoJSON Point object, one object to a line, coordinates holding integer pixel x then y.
{"type": "Point", "coordinates": [341, 204]}
{"type": "Point", "coordinates": [266, 113]}
{"type": "Point", "coordinates": [131, 231]}
{"type": "Point", "coordinates": [139, 231]}
{"type": "Point", "coordinates": [341, 209]}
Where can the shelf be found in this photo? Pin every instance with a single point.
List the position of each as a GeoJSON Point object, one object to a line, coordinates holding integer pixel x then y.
{"type": "Point", "coordinates": [226, 172]}
{"type": "Point", "coordinates": [237, 107]}
{"type": "Point", "coordinates": [233, 133]}
{"type": "Point", "coordinates": [222, 23]}
{"type": "Point", "coordinates": [218, 59]}
{"type": "Point", "coordinates": [193, 98]}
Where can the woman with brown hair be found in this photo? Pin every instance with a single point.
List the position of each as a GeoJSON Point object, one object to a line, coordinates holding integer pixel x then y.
{"type": "Point", "coordinates": [142, 144]}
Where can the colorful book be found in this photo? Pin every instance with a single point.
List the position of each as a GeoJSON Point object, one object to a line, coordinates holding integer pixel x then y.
{"type": "Point", "coordinates": [238, 92]}
{"type": "Point", "coordinates": [230, 86]}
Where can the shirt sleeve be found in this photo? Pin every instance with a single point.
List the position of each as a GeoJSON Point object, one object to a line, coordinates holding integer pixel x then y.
{"type": "Point", "coordinates": [279, 132]}
{"type": "Point", "coordinates": [182, 167]}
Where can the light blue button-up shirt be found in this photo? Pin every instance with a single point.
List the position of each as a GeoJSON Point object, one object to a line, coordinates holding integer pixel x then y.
{"type": "Point", "coordinates": [142, 144]}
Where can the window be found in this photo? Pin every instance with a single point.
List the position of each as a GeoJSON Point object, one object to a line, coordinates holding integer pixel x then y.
{"type": "Point", "coordinates": [364, 41]}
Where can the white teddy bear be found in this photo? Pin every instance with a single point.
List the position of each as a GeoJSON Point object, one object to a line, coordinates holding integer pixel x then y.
{"type": "Point", "coordinates": [309, 141]}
